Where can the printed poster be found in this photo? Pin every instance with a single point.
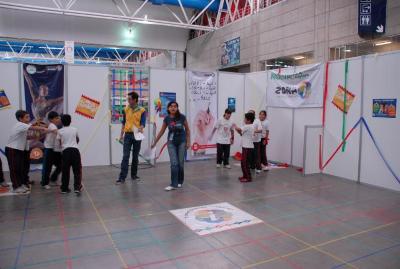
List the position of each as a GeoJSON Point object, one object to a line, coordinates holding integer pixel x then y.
{"type": "Point", "coordinates": [124, 81]}
{"type": "Point", "coordinates": [338, 99]}
{"type": "Point", "coordinates": [44, 92]}
{"type": "Point", "coordinates": [230, 52]}
{"type": "Point", "coordinates": [203, 104]}
{"type": "Point", "coordinates": [214, 218]}
{"type": "Point", "coordinates": [384, 108]}
{"type": "Point", "coordinates": [165, 98]}
{"type": "Point", "coordinates": [295, 87]}
{"type": "Point", "coordinates": [4, 102]}
{"type": "Point", "coordinates": [87, 107]}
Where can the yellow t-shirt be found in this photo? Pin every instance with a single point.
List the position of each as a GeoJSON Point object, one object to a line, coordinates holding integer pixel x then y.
{"type": "Point", "coordinates": [132, 117]}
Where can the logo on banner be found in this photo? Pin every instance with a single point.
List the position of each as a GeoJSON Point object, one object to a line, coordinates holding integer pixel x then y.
{"type": "Point", "coordinates": [303, 90]}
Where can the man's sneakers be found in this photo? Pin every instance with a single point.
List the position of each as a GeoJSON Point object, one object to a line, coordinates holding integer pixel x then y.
{"type": "Point", "coordinates": [119, 182]}
{"type": "Point", "coordinates": [170, 188]}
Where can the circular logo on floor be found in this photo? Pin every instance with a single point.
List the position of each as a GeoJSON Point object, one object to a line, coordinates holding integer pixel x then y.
{"type": "Point", "coordinates": [213, 215]}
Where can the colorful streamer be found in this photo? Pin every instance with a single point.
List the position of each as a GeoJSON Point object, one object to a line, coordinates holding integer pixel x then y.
{"type": "Point", "coordinates": [325, 93]}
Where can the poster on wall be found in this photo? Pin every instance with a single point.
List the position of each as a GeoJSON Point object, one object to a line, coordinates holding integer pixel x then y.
{"type": "Point", "coordinates": [203, 104]}
{"type": "Point", "coordinates": [4, 102]}
{"type": "Point", "coordinates": [295, 87]}
{"type": "Point", "coordinates": [44, 92]}
{"type": "Point", "coordinates": [338, 99]}
{"type": "Point", "coordinates": [230, 52]}
{"type": "Point", "coordinates": [165, 98]}
{"type": "Point", "coordinates": [87, 107]}
{"type": "Point", "coordinates": [124, 81]}
{"type": "Point", "coordinates": [232, 104]}
{"type": "Point", "coordinates": [384, 108]}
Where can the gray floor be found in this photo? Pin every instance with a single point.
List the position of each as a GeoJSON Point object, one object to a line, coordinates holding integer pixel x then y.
{"type": "Point", "coordinates": [309, 222]}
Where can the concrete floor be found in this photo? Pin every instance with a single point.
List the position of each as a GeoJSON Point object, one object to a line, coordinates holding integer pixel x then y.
{"type": "Point", "coordinates": [309, 222]}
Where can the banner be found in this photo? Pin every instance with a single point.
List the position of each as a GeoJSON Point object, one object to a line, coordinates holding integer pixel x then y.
{"type": "Point", "coordinates": [295, 87]}
{"type": "Point", "coordinates": [384, 108]}
{"type": "Point", "coordinates": [230, 52]}
{"type": "Point", "coordinates": [44, 92]}
{"type": "Point", "coordinates": [165, 98]}
{"type": "Point", "coordinates": [203, 102]}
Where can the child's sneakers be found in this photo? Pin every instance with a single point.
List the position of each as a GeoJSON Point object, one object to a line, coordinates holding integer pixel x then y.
{"type": "Point", "coordinates": [227, 166]}
{"type": "Point", "coordinates": [4, 184]}
{"type": "Point", "coordinates": [65, 191]}
{"type": "Point", "coordinates": [46, 187]}
{"type": "Point", "coordinates": [20, 190]}
{"type": "Point", "coordinates": [119, 182]}
{"type": "Point", "coordinates": [243, 179]}
{"type": "Point", "coordinates": [179, 185]}
{"type": "Point", "coordinates": [169, 188]}
{"type": "Point", "coordinates": [78, 191]}
{"type": "Point", "coordinates": [258, 171]}
{"type": "Point", "coordinates": [218, 165]}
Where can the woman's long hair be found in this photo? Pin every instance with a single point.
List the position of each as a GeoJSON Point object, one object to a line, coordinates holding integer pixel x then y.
{"type": "Point", "coordinates": [178, 113]}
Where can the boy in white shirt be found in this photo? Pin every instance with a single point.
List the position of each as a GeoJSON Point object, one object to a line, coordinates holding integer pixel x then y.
{"type": "Point", "coordinates": [71, 157]}
{"type": "Point", "coordinates": [50, 156]}
{"type": "Point", "coordinates": [225, 137]}
{"type": "Point", "coordinates": [256, 154]}
{"type": "Point", "coordinates": [247, 133]}
{"type": "Point", "coordinates": [16, 151]}
{"type": "Point", "coordinates": [264, 139]}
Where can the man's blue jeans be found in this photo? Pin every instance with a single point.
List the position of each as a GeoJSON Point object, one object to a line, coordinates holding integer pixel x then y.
{"type": "Point", "coordinates": [130, 143]}
{"type": "Point", "coordinates": [177, 159]}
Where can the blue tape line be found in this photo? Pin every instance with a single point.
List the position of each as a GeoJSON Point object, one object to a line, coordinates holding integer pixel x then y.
{"type": "Point", "coordinates": [21, 239]}
{"type": "Point", "coordinates": [365, 256]}
{"type": "Point", "coordinates": [380, 151]}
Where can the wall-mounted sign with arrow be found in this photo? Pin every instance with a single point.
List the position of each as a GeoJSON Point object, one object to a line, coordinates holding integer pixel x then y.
{"type": "Point", "coordinates": [371, 18]}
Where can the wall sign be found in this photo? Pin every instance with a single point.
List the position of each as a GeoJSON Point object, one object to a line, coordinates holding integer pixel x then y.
{"type": "Point", "coordinates": [232, 104]}
{"type": "Point", "coordinates": [371, 17]}
{"type": "Point", "coordinates": [384, 108]}
{"type": "Point", "coordinates": [230, 52]}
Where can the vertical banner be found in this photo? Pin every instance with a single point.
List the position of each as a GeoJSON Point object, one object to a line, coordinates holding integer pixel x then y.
{"type": "Point", "coordinates": [203, 102]}
{"type": "Point", "coordinates": [230, 52]}
{"type": "Point", "coordinates": [69, 47]}
{"type": "Point", "coordinates": [295, 87]}
{"type": "Point", "coordinates": [44, 92]}
{"type": "Point", "coordinates": [124, 81]}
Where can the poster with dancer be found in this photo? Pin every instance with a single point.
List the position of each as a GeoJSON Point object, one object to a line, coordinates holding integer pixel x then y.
{"type": "Point", "coordinates": [44, 92]}
{"type": "Point", "coordinates": [124, 81]}
{"type": "Point", "coordinates": [202, 113]}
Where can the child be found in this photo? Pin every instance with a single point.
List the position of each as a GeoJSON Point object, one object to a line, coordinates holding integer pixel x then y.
{"type": "Point", "coordinates": [225, 136]}
{"type": "Point", "coordinates": [68, 139]}
{"type": "Point", "coordinates": [256, 154]}
{"type": "Point", "coordinates": [16, 151]}
{"type": "Point", "coordinates": [247, 133]}
{"type": "Point", "coordinates": [51, 157]}
{"type": "Point", "coordinates": [3, 183]}
{"type": "Point", "coordinates": [264, 139]}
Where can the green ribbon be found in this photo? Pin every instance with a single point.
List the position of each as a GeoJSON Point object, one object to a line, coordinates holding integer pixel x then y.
{"type": "Point", "coordinates": [346, 73]}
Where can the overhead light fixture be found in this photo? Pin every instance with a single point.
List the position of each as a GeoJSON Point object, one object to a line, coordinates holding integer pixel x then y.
{"type": "Point", "coordinates": [298, 57]}
{"type": "Point", "coordinates": [347, 50]}
{"type": "Point", "coordinates": [381, 43]}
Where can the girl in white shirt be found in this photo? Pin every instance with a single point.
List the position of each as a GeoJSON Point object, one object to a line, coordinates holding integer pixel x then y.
{"type": "Point", "coordinates": [225, 136]}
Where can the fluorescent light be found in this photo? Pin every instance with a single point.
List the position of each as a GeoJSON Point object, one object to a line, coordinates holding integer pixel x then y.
{"type": "Point", "coordinates": [381, 43]}
{"type": "Point", "coordinates": [347, 50]}
{"type": "Point", "coordinates": [298, 57]}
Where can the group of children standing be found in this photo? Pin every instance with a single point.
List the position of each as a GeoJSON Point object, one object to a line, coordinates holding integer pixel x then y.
{"type": "Point", "coordinates": [254, 134]}
{"type": "Point", "coordinates": [60, 150]}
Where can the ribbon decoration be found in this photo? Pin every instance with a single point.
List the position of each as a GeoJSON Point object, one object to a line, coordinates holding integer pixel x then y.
{"type": "Point", "coordinates": [346, 73]}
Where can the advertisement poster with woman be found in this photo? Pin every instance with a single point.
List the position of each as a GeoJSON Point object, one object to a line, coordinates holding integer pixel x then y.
{"type": "Point", "coordinates": [203, 102]}
{"type": "Point", "coordinates": [44, 92]}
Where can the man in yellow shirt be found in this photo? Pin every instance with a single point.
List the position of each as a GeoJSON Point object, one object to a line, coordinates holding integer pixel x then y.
{"type": "Point", "coordinates": [134, 120]}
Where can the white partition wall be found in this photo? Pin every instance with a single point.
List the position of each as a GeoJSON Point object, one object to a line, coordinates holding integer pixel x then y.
{"type": "Point", "coordinates": [344, 164]}
{"type": "Point", "coordinates": [232, 85]}
{"type": "Point", "coordinates": [9, 81]}
{"type": "Point", "coordinates": [312, 135]}
{"type": "Point", "coordinates": [255, 91]}
{"type": "Point", "coordinates": [91, 81]}
{"type": "Point", "coordinates": [381, 81]}
{"type": "Point", "coordinates": [166, 81]}
{"type": "Point", "coordinates": [280, 134]}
